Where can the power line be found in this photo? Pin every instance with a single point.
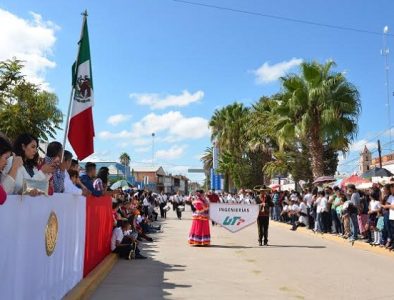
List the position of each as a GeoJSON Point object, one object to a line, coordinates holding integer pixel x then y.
{"type": "Point", "coordinates": [280, 18]}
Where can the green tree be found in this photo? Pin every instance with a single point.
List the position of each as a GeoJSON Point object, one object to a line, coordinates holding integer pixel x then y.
{"type": "Point", "coordinates": [124, 159]}
{"type": "Point", "coordinates": [24, 107]}
{"type": "Point", "coordinates": [207, 159]}
{"type": "Point", "coordinates": [317, 107]}
{"type": "Point", "coordinates": [229, 131]}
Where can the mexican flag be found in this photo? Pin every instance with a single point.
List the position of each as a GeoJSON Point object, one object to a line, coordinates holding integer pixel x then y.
{"type": "Point", "coordinates": [81, 128]}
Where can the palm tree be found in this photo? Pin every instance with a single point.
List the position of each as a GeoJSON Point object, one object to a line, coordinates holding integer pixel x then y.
{"type": "Point", "coordinates": [207, 159]}
{"type": "Point", "coordinates": [124, 159]}
{"type": "Point", "coordinates": [318, 107]}
{"type": "Point", "coordinates": [228, 127]}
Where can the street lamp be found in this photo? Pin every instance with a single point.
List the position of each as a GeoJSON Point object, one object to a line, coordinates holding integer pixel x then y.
{"type": "Point", "coordinates": [153, 148]}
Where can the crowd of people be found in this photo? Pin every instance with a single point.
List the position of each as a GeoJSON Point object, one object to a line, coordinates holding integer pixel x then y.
{"type": "Point", "coordinates": [352, 214]}
{"type": "Point", "coordinates": [23, 171]}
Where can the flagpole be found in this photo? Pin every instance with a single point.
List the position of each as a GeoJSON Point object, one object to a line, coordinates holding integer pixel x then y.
{"type": "Point", "coordinates": [85, 15]}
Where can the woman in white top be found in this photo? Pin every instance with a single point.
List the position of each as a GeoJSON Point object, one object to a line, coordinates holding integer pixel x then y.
{"type": "Point", "coordinates": [24, 165]}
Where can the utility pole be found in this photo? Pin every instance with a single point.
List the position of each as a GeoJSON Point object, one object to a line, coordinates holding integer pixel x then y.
{"type": "Point", "coordinates": [380, 154]}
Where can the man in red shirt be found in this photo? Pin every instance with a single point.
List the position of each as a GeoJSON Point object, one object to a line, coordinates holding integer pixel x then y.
{"type": "Point", "coordinates": [265, 202]}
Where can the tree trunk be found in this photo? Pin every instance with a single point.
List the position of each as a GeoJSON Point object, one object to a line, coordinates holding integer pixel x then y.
{"type": "Point", "coordinates": [316, 151]}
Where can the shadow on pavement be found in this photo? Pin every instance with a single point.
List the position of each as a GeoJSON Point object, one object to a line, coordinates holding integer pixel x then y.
{"type": "Point", "coordinates": [296, 246]}
{"type": "Point", "coordinates": [140, 279]}
{"type": "Point", "coordinates": [229, 247]}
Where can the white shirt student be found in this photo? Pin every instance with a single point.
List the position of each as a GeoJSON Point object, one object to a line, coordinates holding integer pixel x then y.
{"type": "Point", "coordinates": [69, 186]}
{"type": "Point", "coordinates": [117, 236]}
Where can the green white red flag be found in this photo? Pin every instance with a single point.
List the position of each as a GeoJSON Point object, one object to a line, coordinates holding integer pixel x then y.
{"type": "Point", "coordinates": [81, 128]}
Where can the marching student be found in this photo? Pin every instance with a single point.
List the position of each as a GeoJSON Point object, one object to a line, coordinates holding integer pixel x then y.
{"type": "Point", "coordinates": [178, 200]}
{"type": "Point", "coordinates": [162, 198]}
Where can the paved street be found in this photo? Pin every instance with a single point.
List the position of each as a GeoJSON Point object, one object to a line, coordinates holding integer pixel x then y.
{"type": "Point", "coordinates": [295, 266]}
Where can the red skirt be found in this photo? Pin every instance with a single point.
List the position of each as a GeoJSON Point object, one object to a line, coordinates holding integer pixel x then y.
{"type": "Point", "coordinates": [200, 234]}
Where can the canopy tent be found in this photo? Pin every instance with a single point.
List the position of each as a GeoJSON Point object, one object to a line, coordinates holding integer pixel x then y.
{"type": "Point", "coordinates": [354, 179]}
{"type": "Point", "coordinates": [120, 184]}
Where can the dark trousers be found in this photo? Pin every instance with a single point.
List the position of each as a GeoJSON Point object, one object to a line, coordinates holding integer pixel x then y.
{"type": "Point", "coordinates": [325, 216]}
{"type": "Point", "coordinates": [126, 248]}
{"type": "Point", "coordinates": [262, 225]}
{"type": "Point", "coordinates": [336, 222]}
{"type": "Point", "coordinates": [178, 213]}
{"type": "Point", "coordinates": [146, 211]}
{"type": "Point", "coordinates": [163, 212]}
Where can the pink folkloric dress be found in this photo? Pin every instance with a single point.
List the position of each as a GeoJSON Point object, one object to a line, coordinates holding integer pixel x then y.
{"type": "Point", "coordinates": [200, 234]}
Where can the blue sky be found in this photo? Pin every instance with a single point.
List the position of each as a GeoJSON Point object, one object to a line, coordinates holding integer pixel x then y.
{"type": "Point", "coordinates": [163, 66]}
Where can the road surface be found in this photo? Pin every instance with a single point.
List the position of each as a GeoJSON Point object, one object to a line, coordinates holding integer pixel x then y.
{"type": "Point", "coordinates": [295, 266]}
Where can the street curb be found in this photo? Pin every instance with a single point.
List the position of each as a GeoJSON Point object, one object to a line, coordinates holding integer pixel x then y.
{"type": "Point", "coordinates": [339, 240]}
{"type": "Point", "coordinates": [85, 288]}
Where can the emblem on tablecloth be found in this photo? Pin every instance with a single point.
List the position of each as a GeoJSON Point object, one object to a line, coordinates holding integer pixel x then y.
{"type": "Point", "coordinates": [51, 232]}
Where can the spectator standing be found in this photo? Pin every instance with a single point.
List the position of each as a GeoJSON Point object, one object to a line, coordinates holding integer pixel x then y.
{"type": "Point", "coordinates": [87, 179]}
{"type": "Point", "coordinates": [5, 153]}
{"type": "Point", "coordinates": [386, 231]}
{"type": "Point", "coordinates": [373, 210]}
{"type": "Point", "coordinates": [390, 206]}
{"type": "Point", "coordinates": [336, 222]}
{"type": "Point", "coordinates": [54, 156]}
{"type": "Point", "coordinates": [24, 165]}
{"type": "Point", "coordinates": [353, 210]}
{"type": "Point", "coordinates": [71, 177]}
{"type": "Point", "coordinates": [101, 182]}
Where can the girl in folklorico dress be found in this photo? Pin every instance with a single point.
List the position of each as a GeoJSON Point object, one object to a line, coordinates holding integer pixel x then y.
{"type": "Point", "coordinates": [199, 232]}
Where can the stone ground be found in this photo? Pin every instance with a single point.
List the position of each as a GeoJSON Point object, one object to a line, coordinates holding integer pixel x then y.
{"type": "Point", "coordinates": [295, 265]}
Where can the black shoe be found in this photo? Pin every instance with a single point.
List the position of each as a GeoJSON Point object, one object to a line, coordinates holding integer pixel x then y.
{"type": "Point", "coordinates": [260, 243]}
{"type": "Point", "coordinates": [265, 243]}
{"type": "Point", "coordinates": [139, 256]}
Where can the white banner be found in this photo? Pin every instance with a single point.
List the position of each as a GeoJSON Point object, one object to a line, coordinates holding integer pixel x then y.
{"type": "Point", "coordinates": [42, 245]}
{"type": "Point", "coordinates": [233, 217]}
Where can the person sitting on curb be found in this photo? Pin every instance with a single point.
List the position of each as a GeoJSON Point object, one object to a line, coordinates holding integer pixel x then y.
{"type": "Point", "coordinates": [123, 244]}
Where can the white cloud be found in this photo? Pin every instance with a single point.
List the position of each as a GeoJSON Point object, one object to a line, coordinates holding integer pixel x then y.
{"type": "Point", "coordinates": [178, 170]}
{"type": "Point", "coordinates": [107, 135]}
{"type": "Point", "coordinates": [172, 153]}
{"type": "Point", "coordinates": [358, 146]}
{"type": "Point", "coordinates": [267, 73]}
{"type": "Point", "coordinates": [173, 125]}
{"type": "Point", "coordinates": [100, 156]}
{"type": "Point", "coordinates": [156, 101]}
{"type": "Point", "coordinates": [29, 40]}
{"type": "Point", "coordinates": [117, 119]}
{"type": "Point", "coordinates": [143, 149]}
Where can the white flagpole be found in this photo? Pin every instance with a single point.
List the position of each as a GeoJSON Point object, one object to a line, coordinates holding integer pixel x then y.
{"type": "Point", "coordinates": [70, 105]}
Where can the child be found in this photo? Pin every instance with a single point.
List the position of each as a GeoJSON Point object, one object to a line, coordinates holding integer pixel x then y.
{"type": "Point", "coordinates": [379, 228]}
{"type": "Point", "coordinates": [374, 208]}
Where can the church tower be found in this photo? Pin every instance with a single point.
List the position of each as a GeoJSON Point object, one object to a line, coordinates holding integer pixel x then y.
{"type": "Point", "coordinates": [365, 160]}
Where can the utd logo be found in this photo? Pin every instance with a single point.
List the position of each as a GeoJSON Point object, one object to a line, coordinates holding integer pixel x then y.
{"type": "Point", "coordinates": [233, 221]}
